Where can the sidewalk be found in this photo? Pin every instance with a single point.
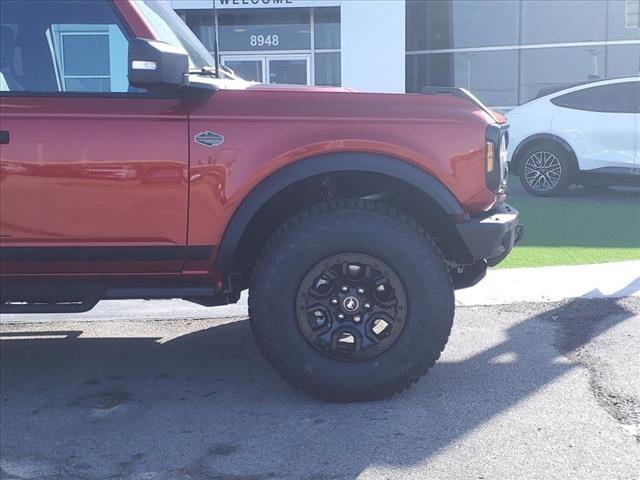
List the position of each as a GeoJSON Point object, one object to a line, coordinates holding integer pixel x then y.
{"type": "Point", "coordinates": [542, 284]}
{"type": "Point", "coordinates": [552, 284]}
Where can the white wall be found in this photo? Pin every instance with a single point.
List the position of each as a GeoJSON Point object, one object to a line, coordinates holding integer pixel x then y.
{"type": "Point", "coordinates": [373, 45]}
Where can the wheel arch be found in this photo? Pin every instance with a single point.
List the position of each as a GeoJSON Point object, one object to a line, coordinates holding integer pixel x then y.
{"type": "Point", "coordinates": [333, 165]}
{"type": "Point", "coordinates": [541, 138]}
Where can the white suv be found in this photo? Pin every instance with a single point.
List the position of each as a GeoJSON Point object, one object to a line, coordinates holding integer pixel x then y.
{"type": "Point", "coordinates": [589, 134]}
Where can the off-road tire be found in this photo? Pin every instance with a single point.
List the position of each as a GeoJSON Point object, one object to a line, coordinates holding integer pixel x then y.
{"type": "Point", "coordinates": [557, 154]}
{"type": "Point", "coordinates": [369, 228]}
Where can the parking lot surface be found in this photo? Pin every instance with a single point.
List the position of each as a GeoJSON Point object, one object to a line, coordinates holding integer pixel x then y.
{"type": "Point", "coordinates": [522, 391]}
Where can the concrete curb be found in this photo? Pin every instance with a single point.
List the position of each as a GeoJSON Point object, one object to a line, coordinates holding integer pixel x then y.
{"type": "Point", "coordinates": [552, 284]}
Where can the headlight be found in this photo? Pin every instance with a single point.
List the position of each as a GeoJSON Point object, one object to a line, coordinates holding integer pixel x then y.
{"type": "Point", "coordinates": [504, 168]}
{"type": "Point", "coordinates": [490, 155]}
{"type": "Point", "coordinates": [496, 157]}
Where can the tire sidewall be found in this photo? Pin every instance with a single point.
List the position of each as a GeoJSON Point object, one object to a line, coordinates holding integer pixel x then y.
{"type": "Point", "coordinates": [407, 251]}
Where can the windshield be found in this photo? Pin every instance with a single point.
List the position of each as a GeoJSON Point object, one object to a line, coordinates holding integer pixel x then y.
{"type": "Point", "coordinates": [171, 29]}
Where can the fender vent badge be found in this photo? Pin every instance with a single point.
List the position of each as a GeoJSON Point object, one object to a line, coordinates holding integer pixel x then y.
{"type": "Point", "coordinates": [209, 139]}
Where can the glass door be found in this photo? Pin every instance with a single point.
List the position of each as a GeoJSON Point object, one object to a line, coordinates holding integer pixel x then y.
{"type": "Point", "coordinates": [289, 69]}
{"type": "Point", "coordinates": [249, 68]}
{"type": "Point", "coordinates": [282, 69]}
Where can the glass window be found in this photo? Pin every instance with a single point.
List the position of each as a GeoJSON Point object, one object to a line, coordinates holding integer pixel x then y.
{"type": "Point", "coordinates": [171, 29]}
{"type": "Point", "coordinates": [247, 69]}
{"type": "Point", "coordinates": [87, 84]}
{"type": "Point", "coordinates": [623, 20]}
{"type": "Point", "coordinates": [62, 46]}
{"type": "Point", "coordinates": [288, 71]}
{"type": "Point", "coordinates": [491, 76]}
{"type": "Point", "coordinates": [259, 29]}
{"type": "Point", "coordinates": [85, 55]}
{"type": "Point", "coordinates": [632, 13]}
{"type": "Point", "coordinates": [440, 24]}
{"type": "Point", "coordinates": [327, 69]}
{"type": "Point", "coordinates": [11, 58]}
{"type": "Point", "coordinates": [327, 28]}
{"type": "Point", "coordinates": [544, 68]}
{"type": "Point", "coordinates": [615, 98]}
{"type": "Point", "coordinates": [202, 25]}
{"type": "Point", "coordinates": [554, 21]}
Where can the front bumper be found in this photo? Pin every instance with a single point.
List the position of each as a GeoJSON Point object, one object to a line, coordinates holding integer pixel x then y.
{"type": "Point", "coordinates": [491, 237]}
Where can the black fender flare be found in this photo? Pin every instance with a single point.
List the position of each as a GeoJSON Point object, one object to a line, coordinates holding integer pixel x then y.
{"type": "Point", "coordinates": [325, 164]}
{"type": "Point", "coordinates": [542, 136]}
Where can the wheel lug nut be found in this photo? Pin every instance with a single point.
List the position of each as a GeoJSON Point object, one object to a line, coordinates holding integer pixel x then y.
{"type": "Point", "coordinates": [334, 301]}
{"type": "Point", "coordinates": [357, 318]}
{"type": "Point", "coordinates": [361, 291]}
{"type": "Point", "coordinates": [345, 289]}
{"type": "Point", "coordinates": [367, 306]}
{"type": "Point", "coordinates": [341, 316]}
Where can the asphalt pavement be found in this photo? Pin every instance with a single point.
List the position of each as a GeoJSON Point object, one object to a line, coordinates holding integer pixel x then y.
{"type": "Point", "coordinates": [522, 391]}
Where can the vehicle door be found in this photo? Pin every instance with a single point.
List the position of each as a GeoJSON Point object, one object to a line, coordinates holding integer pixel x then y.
{"type": "Point", "coordinates": [93, 172]}
{"type": "Point", "coordinates": [599, 123]}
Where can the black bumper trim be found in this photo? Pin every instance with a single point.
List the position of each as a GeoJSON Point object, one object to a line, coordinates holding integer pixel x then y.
{"type": "Point", "coordinates": [492, 236]}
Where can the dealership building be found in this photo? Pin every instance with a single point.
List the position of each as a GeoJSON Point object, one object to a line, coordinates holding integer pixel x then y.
{"type": "Point", "coordinates": [505, 51]}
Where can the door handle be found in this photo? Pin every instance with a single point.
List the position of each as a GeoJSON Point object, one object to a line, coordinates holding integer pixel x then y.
{"type": "Point", "coordinates": [4, 137]}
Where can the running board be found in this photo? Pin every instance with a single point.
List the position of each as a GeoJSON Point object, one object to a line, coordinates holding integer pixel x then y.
{"type": "Point", "coordinates": [75, 297]}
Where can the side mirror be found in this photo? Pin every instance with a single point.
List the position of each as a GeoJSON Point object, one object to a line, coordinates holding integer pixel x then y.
{"type": "Point", "coordinates": [155, 65]}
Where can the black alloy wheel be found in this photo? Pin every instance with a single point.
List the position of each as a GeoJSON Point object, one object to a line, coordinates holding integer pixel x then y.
{"type": "Point", "coordinates": [351, 306]}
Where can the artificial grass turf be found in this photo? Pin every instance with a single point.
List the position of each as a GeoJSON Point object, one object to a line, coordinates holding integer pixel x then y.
{"type": "Point", "coordinates": [576, 230]}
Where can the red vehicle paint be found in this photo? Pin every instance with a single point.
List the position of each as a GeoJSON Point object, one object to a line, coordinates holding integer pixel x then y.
{"type": "Point", "coordinates": [174, 192]}
{"type": "Point", "coordinates": [112, 171]}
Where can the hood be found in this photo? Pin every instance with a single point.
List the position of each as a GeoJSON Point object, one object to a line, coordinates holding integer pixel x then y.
{"type": "Point", "coordinates": [298, 88]}
{"type": "Point", "coordinates": [327, 103]}
{"type": "Point", "coordinates": [240, 84]}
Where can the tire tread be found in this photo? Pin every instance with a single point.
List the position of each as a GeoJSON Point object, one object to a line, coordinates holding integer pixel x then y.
{"type": "Point", "coordinates": [405, 379]}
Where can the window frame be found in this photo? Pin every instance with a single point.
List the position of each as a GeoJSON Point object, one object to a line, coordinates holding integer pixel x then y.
{"type": "Point", "coordinates": [635, 102]}
{"type": "Point", "coordinates": [126, 30]}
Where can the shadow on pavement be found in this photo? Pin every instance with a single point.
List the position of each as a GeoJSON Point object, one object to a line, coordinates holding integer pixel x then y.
{"type": "Point", "coordinates": [206, 403]}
